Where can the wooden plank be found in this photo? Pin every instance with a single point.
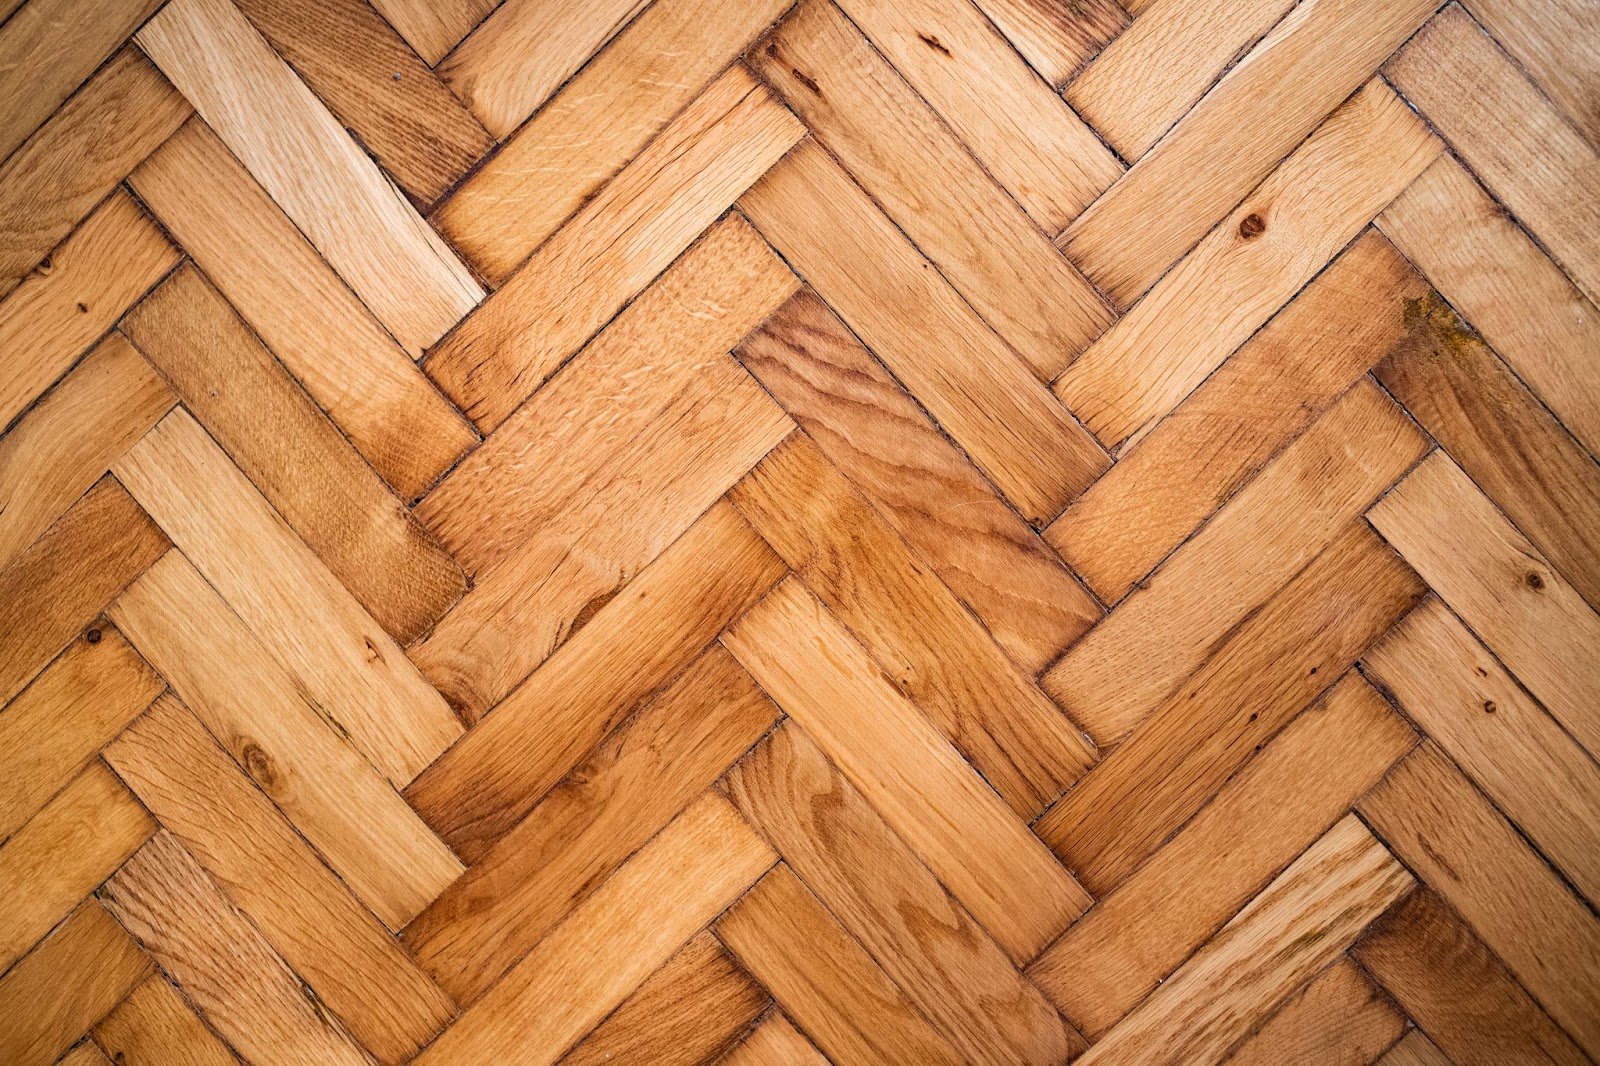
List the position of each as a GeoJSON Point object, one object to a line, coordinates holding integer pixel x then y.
{"type": "Point", "coordinates": [1028, 139]}
{"type": "Point", "coordinates": [297, 610]}
{"type": "Point", "coordinates": [294, 455]}
{"type": "Point", "coordinates": [614, 247]}
{"type": "Point", "coordinates": [1057, 39]}
{"type": "Point", "coordinates": [52, 730]}
{"type": "Point", "coordinates": [824, 979]}
{"type": "Point", "coordinates": [873, 883]}
{"type": "Point", "coordinates": [50, 184]}
{"type": "Point", "coordinates": [1254, 262]}
{"type": "Point", "coordinates": [1496, 120]}
{"type": "Point", "coordinates": [1112, 679]}
{"type": "Point", "coordinates": [1268, 103]}
{"type": "Point", "coordinates": [1509, 290]}
{"type": "Point", "coordinates": [689, 1012]}
{"type": "Point", "coordinates": [1455, 689]}
{"type": "Point", "coordinates": [672, 888]}
{"type": "Point", "coordinates": [857, 106]}
{"type": "Point", "coordinates": [775, 1043]}
{"type": "Point", "coordinates": [57, 587]}
{"type": "Point", "coordinates": [875, 434]}
{"type": "Point", "coordinates": [805, 659]}
{"type": "Point", "coordinates": [224, 966]}
{"type": "Point", "coordinates": [1270, 812]}
{"type": "Point", "coordinates": [1298, 925]}
{"type": "Point", "coordinates": [155, 1027]}
{"type": "Point", "coordinates": [49, 865]}
{"type": "Point", "coordinates": [434, 27]}
{"type": "Point", "coordinates": [1339, 1017]}
{"type": "Point", "coordinates": [1262, 398]}
{"type": "Point", "coordinates": [940, 656]}
{"type": "Point", "coordinates": [1548, 41]}
{"type": "Point", "coordinates": [1502, 587]}
{"type": "Point", "coordinates": [1465, 849]}
{"type": "Point", "coordinates": [1274, 665]}
{"type": "Point", "coordinates": [969, 380]}
{"type": "Point", "coordinates": [62, 446]}
{"type": "Point", "coordinates": [633, 645]}
{"type": "Point", "coordinates": [66, 985]}
{"type": "Point", "coordinates": [378, 87]}
{"type": "Point", "coordinates": [279, 735]}
{"type": "Point", "coordinates": [598, 122]}
{"type": "Point", "coordinates": [1457, 991]}
{"type": "Point", "coordinates": [323, 334]}
{"type": "Point", "coordinates": [65, 306]}
{"type": "Point", "coordinates": [1415, 1050]}
{"type": "Point", "coordinates": [85, 1054]}
{"type": "Point", "coordinates": [310, 918]}
{"type": "Point", "coordinates": [632, 785]}
{"type": "Point", "coordinates": [303, 158]}
{"type": "Point", "coordinates": [1145, 80]}
{"type": "Point", "coordinates": [523, 52]}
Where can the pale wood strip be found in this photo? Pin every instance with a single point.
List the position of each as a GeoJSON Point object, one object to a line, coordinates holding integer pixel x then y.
{"type": "Point", "coordinates": [666, 893]}
{"type": "Point", "coordinates": [635, 782]}
{"type": "Point", "coordinates": [1497, 120]}
{"type": "Point", "coordinates": [378, 87]}
{"type": "Point", "coordinates": [294, 455]}
{"type": "Point", "coordinates": [867, 426]}
{"type": "Point", "coordinates": [1144, 81]}
{"type": "Point", "coordinates": [348, 665]}
{"type": "Point", "coordinates": [857, 106]}
{"type": "Point", "coordinates": [632, 646]}
{"type": "Point", "coordinates": [1457, 991]}
{"type": "Point", "coordinates": [51, 731]}
{"type": "Point", "coordinates": [614, 247]}
{"type": "Point", "coordinates": [1341, 1016]}
{"type": "Point", "coordinates": [876, 887]}
{"type": "Point", "coordinates": [1259, 400]}
{"type": "Point", "coordinates": [522, 53]}
{"type": "Point", "coordinates": [824, 979]}
{"type": "Point", "coordinates": [1030, 141]}
{"type": "Point", "coordinates": [775, 1042]}
{"type": "Point", "coordinates": [224, 966]}
{"type": "Point", "coordinates": [969, 380]}
{"type": "Point", "coordinates": [1465, 849]}
{"type": "Point", "coordinates": [595, 125]}
{"type": "Point", "coordinates": [1298, 925]}
{"type": "Point", "coordinates": [66, 985]}
{"type": "Point", "coordinates": [1550, 40]}
{"type": "Point", "coordinates": [310, 166]}
{"type": "Point", "coordinates": [1275, 808]}
{"type": "Point", "coordinates": [70, 164]}
{"type": "Point", "coordinates": [1415, 1050]}
{"type": "Point", "coordinates": [575, 428]}
{"type": "Point", "coordinates": [254, 254]}
{"type": "Point", "coordinates": [57, 587]}
{"type": "Point", "coordinates": [1506, 287]}
{"type": "Point", "coordinates": [85, 1054]}
{"type": "Point", "coordinates": [63, 853]}
{"type": "Point", "coordinates": [1502, 437]}
{"type": "Point", "coordinates": [1112, 679]}
{"type": "Point", "coordinates": [689, 1012]}
{"type": "Point", "coordinates": [313, 921]}
{"type": "Point", "coordinates": [62, 446]}
{"type": "Point", "coordinates": [1451, 686]}
{"type": "Point", "coordinates": [155, 1027]}
{"type": "Point", "coordinates": [68, 303]}
{"type": "Point", "coordinates": [1236, 134]}
{"type": "Point", "coordinates": [905, 618]}
{"type": "Point", "coordinates": [434, 27]}
{"type": "Point", "coordinates": [1274, 665]}
{"type": "Point", "coordinates": [1058, 39]}
{"type": "Point", "coordinates": [1502, 587]}
{"type": "Point", "coordinates": [1256, 259]}
{"type": "Point", "coordinates": [805, 659]}
{"type": "Point", "coordinates": [260, 713]}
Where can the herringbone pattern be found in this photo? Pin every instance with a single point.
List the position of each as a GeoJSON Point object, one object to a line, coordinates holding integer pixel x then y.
{"type": "Point", "coordinates": [862, 531]}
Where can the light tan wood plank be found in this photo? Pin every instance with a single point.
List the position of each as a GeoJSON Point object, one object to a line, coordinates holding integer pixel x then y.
{"type": "Point", "coordinates": [154, 1026]}
{"type": "Point", "coordinates": [310, 166]}
{"type": "Point", "coordinates": [775, 1042]}
{"type": "Point", "coordinates": [434, 27]}
{"type": "Point", "coordinates": [1057, 39]}
{"type": "Point", "coordinates": [85, 1054]}
{"type": "Point", "coordinates": [1256, 259]}
{"type": "Point", "coordinates": [1415, 1050]}
{"type": "Point", "coordinates": [667, 892]}
{"type": "Point", "coordinates": [258, 711]}
{"type": "Point", "coordinates": [985, 395]}
{"type": "Point", "coordinates": [1340, 1017]}
{"type": "Point", "coordinates": [1550, 41]}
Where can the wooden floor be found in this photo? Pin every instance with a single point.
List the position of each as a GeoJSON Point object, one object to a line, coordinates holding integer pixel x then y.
{"type": "Point", "coordinates": [869, 531]}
